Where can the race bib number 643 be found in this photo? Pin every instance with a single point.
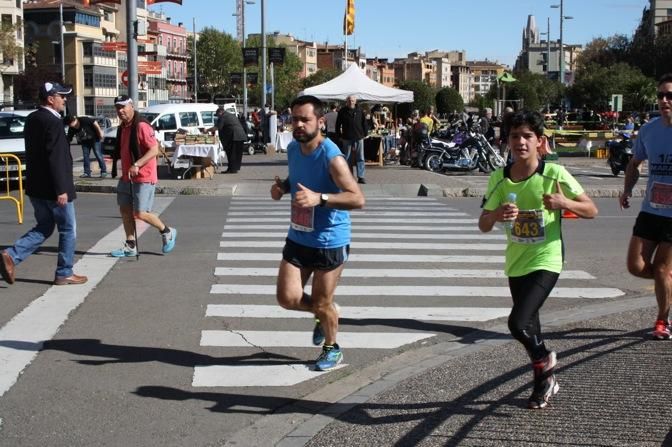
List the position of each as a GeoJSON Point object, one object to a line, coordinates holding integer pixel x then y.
{"type": "Point", "coordinates": [528, 228]}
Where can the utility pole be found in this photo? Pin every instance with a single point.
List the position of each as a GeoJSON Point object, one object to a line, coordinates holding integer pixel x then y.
{"type": "Point", "coordinates": [263, 53]}
{"type": "Point", "coordinates": [562, 49]}
{"type": "Point", "coordinates": [195, 63]}
{"type": "Point", "coordinates": [548, 46]}
{"type": "Point", "coordinates": [62, 46]}
{"type": "Point", "coordinates": [132, 51]}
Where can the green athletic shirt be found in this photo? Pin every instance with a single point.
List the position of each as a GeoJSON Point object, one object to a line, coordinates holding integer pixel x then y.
{"type": "Point", "coordinates": [535, 240]}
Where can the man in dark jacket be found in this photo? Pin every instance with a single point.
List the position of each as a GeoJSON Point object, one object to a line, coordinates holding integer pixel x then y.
{"type": "Point", "coordinates": [232, 136]}
{"type": "Point", "coordinates": [50, 186]}
{"type": "Point", "coordinates": [89, 134]}
{"type": "Point", "coordinates": [351, 129]}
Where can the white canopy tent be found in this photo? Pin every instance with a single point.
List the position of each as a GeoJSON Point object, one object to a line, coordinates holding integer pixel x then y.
{"type": "Point", "coordinates": [354, 82]}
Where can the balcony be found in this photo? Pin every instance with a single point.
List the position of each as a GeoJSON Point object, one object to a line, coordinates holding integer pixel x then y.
{"type": "Point", "coordinates": [177, 54]}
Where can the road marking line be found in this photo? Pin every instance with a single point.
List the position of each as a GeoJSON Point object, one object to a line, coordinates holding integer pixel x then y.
{"type": "Point", "coordinates": [374, 245]}
{"type": "Point", "coordinates": [362, 257]}
{"type": "Point", "coordinates": [418, 291]}
{"type": "Point", "coordinates": [427, 229]}
{"type": "Point", "coordinates": [285, 206]}
{"type": "Point", "coordinates": [254, 375]}
{"type": "Point", "coordinates": [302, 339]}
{"type": "Point", "coordinates": [397, 273]}
{"type": "Point", "coordinates": [285, 213]}
{"type": "Point", "coordinates": [23, 336]}
{"type": "Point", "coordinates": [363, 313]}
{"type": "Point", "coordinates": [356, 220]}
{"type": "Point", "coordinates": [357, 235]}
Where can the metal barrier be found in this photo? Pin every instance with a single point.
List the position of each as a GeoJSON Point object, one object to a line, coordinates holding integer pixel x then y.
{"type": "Point", "coordinates": [5, 166]}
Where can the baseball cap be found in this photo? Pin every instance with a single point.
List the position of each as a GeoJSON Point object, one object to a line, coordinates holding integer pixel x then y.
{"type": "Point", "coordinates": [51, 88]}
{"type": "Point", "coordinates": [122, 100]}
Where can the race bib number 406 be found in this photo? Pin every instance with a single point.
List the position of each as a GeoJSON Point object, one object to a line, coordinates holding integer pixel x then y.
{"type": "Point", "coordinates": [528, 228]}
{"type": "Point", "coordinates": [302, 218]}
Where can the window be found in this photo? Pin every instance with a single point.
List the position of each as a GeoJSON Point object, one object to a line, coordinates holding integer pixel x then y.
{"type": "Point", "coordinates": [207, 117]}
{"type": "Point", "coordinates": [167, 122]}
{"type": "Point", "coordinates": [189, 119]}
{"type": "Point", "coordinates": [19, 28]}
{"type": "Point", "coordinates": [88, 77]}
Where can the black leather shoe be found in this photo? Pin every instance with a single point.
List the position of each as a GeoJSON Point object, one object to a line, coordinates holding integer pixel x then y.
{"type": "Point", "coordinates": [361, 180]}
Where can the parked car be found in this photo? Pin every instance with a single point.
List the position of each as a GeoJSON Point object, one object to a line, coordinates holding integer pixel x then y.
{"type": "Point", "coordinates": [12, 142]}
{"type": "Point", "coordinates": [166, 119]}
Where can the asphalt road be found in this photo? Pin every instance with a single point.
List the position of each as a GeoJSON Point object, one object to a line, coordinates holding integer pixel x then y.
{"type": "Point", "coordinates": [131, 365]}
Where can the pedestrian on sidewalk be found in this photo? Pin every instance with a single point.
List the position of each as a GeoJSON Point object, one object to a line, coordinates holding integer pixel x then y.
{"type": "Point", "coordinates": [89, 134]}
{"type": "Point", "coordinates": [318, 243]}
{"type": "Point", "coordinates": [137, 148]}
{"type": "Point", "coordinates": [528, 197]}
{"type": "Point", "coordinates": [50, 187]}
{"type": "Point", "coordinates": [351, 129]}
{"type": "Point", "coordinates": [233, 137]}
{"type": "Point", "coordinates": [650, 250]}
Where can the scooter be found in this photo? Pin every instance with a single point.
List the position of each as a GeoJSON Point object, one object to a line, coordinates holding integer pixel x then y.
{"type": "Point", "coordinates": [619, 153]}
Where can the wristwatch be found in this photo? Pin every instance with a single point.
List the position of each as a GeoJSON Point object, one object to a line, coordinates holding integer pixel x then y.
{"type": "Point", "coordinates": [136, 165]}
{"type": "Point", "coordinates": [323, 199]}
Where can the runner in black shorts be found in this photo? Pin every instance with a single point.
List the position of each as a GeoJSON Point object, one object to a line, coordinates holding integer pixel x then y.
{"type": "Point", "coordinates": [318, 241]}
{"type": "Point", "coordinates": [650, 250]}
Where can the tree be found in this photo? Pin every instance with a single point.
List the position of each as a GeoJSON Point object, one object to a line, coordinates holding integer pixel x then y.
{"type": "Point", "coordinates": [9, 47]}
{"type": "Point", "coordinates": [321, 76]}
{"type": "Point", "coordinates": [423, 97]}
{"type": "Point", "coordinates": [287, 80]}
{"type": "Point", "coordinates": [595, 84]}
{"type": "Point", "coordinates": [536, 90]}
{"type": "Point", "coordinates": [218, 54]}
{"type": "Point", "coordinates": [449, 100]}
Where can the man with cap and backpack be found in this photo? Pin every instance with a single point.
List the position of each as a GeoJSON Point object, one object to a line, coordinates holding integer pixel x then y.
{"type": "Point", "coordinates": [137, 148]}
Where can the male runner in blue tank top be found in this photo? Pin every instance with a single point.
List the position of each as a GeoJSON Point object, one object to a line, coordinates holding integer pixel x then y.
{"type": "Point", "coordinates": [318, 242]}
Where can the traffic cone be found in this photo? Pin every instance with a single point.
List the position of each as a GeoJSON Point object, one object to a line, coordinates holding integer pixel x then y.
{"type": "Point", "coordinates": [569, 215]}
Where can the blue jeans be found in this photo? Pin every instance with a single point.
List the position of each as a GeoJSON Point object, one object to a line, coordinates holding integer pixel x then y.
{"type": "Point", "coordinates": [358, 147]}
{"type": "Point", "coordinates": [87, 147]}
{"type": "Point", "coordinates": [48, 216]}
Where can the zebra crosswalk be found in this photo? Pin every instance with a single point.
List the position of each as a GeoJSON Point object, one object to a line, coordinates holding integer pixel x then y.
{"type": "Point", "coordinates": [418, 252]}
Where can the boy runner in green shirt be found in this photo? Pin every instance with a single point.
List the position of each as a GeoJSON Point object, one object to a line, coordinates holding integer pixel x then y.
{"type": "Point", "coordinates": [528, 196]}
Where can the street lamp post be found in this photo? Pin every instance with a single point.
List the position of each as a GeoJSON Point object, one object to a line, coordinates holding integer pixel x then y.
{"type": "Point", "coordinates": [241, 36]}
{"type": "Point", "coordinates": [263, 53]}
{"type": "Point", "coordinates": [62, 45]}
{"type": "Point", "coordinates": [562, 48]}
{"type": "Point", "coordinates": [548, 46]}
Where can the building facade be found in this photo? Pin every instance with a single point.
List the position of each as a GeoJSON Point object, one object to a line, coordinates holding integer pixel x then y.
{"type": "Point", "coordinates": [166, 43]}
{"type": "Point", "coordinates": [11, 13]}
{"type": "Point", "coordinates": [661, 11]}
{"type": "Point", "coordinates": [484, 75]}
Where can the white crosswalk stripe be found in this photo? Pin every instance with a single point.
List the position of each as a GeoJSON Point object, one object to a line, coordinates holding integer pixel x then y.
{"type": "Point", "coordinates": [438, 249]}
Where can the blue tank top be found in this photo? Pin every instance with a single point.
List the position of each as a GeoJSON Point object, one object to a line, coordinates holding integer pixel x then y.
{"type": "Point", "coordinates": [654, 143]}
{"type": "Point", "coordinates": [318, 227]}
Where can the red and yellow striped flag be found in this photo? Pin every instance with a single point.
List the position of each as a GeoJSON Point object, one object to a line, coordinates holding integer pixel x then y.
{"type": "Point", "coordinates": [349, 18]}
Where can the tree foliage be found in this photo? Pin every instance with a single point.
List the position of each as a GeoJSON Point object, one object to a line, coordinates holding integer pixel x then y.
{"type": "Point", "coordinates": [449, 100]}
{"type": "Point", "coordinates": [9, 46]}
{"type": "Point", "coordinates": [423, 97]}
{"type": "Point", "coordinates": [595, 84]}
{"type": "Point", "coordinates": [534, 89]}
{"type": "Point", "coordinates": [219, 54]}
{"type": "Point", "coordinates": [321, 76]}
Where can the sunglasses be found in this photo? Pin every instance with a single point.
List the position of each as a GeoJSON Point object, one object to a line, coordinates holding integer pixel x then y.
{"type": "Point", "coordinates": [666, 95]}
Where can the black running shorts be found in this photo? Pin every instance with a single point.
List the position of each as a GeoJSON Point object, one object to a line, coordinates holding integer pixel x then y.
{"type": "Point", "coordinates": [653, 228]}
{"type": "Point", "coordinates": [314, 258]}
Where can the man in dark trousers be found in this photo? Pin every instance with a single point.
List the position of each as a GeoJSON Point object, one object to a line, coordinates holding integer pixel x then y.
{"type": "Point", "coordinates": [50, 186]}
{"type": "Point", "coordinates": [351, 129]}
{"type": "Point", "coordinates": [89, 134]}
{"type": "Point", "coordinates": [232, 136]}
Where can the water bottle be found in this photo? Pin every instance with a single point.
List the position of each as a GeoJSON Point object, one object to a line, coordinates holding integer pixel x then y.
{"type": "Point", "coordinates": [510, 198]}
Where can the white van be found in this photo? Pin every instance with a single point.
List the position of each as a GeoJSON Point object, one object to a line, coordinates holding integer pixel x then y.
{"type": "Point", "coordinates": [167, 118]}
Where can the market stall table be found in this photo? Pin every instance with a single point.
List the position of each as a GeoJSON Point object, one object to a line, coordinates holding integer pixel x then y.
{"type": "Point", "coordinates": [192, 156]}
{"type": "Point", "coordinates": [282, 140]}
{"type": "Point", "coordinates": [373, 150]}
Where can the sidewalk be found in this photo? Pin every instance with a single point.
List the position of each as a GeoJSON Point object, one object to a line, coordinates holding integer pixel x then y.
{"type": "Point", "coordinates": [614, 391]}
{"type": "Point", "coordinates": [258, 171]}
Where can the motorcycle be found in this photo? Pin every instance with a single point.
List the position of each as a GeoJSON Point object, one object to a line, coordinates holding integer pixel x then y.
{"type": "Point", "coordinates": [473, 151]}
{"type": "Point", "coordinates": [619, 153]}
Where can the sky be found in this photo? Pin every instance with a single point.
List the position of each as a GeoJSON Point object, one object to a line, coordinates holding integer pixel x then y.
{"type": "Point", "coordinates": [485, 29]}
